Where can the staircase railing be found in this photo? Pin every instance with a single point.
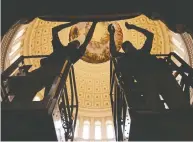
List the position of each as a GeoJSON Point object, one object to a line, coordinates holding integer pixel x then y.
{"type": "Point", "coordinates": [119, 98]}
{"type": "Point", "coordinates": [57, 98]}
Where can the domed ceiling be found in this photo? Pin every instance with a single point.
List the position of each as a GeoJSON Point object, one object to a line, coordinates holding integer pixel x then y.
{"type": "Point", "coordinates": [98, 49]}
{"type": "Point", "coordinates": [92, 71]}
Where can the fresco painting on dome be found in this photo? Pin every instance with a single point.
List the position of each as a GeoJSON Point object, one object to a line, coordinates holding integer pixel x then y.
{"type": "Point", "coordinates": [98, 49]}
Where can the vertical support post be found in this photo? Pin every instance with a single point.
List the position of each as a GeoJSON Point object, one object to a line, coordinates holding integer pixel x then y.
{"type": "Point", "coordinates": [119, 114]}
{"type": "Point", "coordinates": [76, 97]}
{"type": "Point", "coordinates": [115, 111]}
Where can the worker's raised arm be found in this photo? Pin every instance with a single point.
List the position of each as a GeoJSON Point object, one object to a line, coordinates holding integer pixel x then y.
{"type": "Point", "coordinates": [58, 28]}
{"type": "Point", "coordinates": [88, 38]}
{"type": "Point", "coordinates": [55, 37]}
{"type": "Point", "coordinates": [113, 50]}
{"type": "Point", "coordinates": [149, 35]}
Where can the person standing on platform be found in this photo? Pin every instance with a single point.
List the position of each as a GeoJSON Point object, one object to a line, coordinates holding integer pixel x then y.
{"type": "Point", "coordinates": [152, 74]}
{"type": "Point", "coordinates": [25, 88]}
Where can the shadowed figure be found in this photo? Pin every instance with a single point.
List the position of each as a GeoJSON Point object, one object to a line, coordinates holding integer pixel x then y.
{"type": "Point", "coordinates": [25, 88]}
{"type": "Point", "coordinates": [153, 76]}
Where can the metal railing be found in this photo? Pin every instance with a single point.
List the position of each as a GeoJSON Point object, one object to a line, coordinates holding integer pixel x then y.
{"type": "Point", "coordinates": [119, 96]}
{"type": "Point", "coordinates": [57, 98]}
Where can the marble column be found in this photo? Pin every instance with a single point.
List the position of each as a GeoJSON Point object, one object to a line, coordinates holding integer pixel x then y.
{"type": "Point", "coordinates": [80, 128]}
{"type": "Point", "coordinates": [104, 128]}
{"type": "Point", "coordinates": [92, 129]}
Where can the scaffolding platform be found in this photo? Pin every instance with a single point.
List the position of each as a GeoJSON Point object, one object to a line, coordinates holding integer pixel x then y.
{"type": "Point", "coordinates": [134, 121]}
{"type": "Point", "coordinates": [51, 119]}
{"type": "Point", "coordinates": [160, 126]}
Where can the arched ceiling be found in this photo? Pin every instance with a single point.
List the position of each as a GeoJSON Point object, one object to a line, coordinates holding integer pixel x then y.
{"type": "Point", "coordinates": [92, 79]}
{"type": "Point", "coordinates": [98, 49]}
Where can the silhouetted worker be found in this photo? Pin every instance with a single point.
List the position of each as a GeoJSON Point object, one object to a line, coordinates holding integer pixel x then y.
{"type": "Point", "coordinates": [26, 88]}
{"type": "Point", "coordinates": [152, 74]}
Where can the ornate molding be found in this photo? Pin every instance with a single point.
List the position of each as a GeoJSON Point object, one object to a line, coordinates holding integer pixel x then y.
{"type": "Point", "coordinates": [189, 46]}
{"type": "Point", "coordinates": [6, 42]}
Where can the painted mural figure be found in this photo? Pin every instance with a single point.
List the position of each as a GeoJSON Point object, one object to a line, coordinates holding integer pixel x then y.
{"type": "Point", "coordinates": [26, 87]}
{"type": "Point", "coordinates": [151, 74]}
